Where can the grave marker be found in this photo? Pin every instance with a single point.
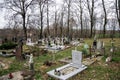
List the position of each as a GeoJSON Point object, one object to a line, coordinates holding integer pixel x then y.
{"type": "Point", "coordinates": [99, 45]}
{"type": "Point", "coordinates": [76, 58]}
{"type": "Point", "coordinates": [18, 52]}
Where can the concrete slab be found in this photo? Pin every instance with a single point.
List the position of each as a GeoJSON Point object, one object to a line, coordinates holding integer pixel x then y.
{"type": "Point", "coordinates": [67, 76]}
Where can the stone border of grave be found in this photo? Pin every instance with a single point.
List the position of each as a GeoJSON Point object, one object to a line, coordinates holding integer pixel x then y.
{"type": "Point", "coordinates": [7, 54]}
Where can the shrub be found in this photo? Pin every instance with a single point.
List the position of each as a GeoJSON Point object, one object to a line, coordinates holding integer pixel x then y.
{"type": "Point", "coordinates": [8, 45]}
{"type": "Point", "coordinates": [116, 59]}
{"type": "Point", "coordinates": [84, 51]}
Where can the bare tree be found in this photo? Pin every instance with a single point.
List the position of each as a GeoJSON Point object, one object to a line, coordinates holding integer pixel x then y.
{"type": "Point", "coordinates": [105, 18]}
{"type": "Point", "coordinates": [41, 4]}
{"type": "Point", "coordinates": [48, 18]}
{"type": "Point", "coordinates": [61, 21]}
{"type": "Point", "coordinates": [81, 16]}
{"type": "Point", "coordinates": [118, 12]}
{"type": "Point", "coordinates": [91, 13]}
{"type": "Point", "coordinates": [68, 17]}
{"type": "Point", "coordinates": [20, 7]}
{"type": "Point", "coordinates": [56, 24]}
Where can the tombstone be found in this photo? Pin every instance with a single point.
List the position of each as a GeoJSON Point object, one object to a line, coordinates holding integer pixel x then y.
{"type": "Point", "coordinates": [43, 42]}
{"type": "Point", "coordinates": [49, 43]}
{"type": "Point", "coordinates": [76, 58]}
{"type": "Point", "coordinates": [19, 51]}
{"type": "Point", "coordinates": [39, 42]}
{"type": "Point", "coordinates": [95, 37]}
{"type": "Point", "coordinates": [58, 42]}
{"type": "Point", "coordinates": [62, 42]}
{"type": "Point", "coordinates": [81, 40]}
{"type": "Point", "coordinates": [94, 44]}
{"type": "Point", "coordinates": [99, 45]}
{"type": "Point", "coordinates": [103, 44]}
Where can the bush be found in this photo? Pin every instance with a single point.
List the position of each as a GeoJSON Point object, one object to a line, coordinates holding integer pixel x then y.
{"type": "Point", "coordinates": [8, 45]}
{"type": "Point", "coordinates": [84, 51]}
{"type": "Point", "coordinates": [116, 59]}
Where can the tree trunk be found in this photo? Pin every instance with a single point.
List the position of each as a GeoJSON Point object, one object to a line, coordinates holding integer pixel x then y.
{"type": "Point", "coordinates": [119, 16]}
{"type": "Point", "coordinates": [105, 19]}
{"type": "Point", "coordinates": [48, 19]}
{"type": "Point", "coordinates": [24, 27]}
{"type": "Point", "coordinates": [91, 29]}
{"type": "Point", "coordinates": [81, 12]}
{"type": "Point", "coordinates": [41, 30]}
{"type": "Point", "coordinates": [68, 22]}
{"type": "Point", "coordinates": [118, 12]}
{"type": "Point", "coordinates": [91, 11]}
{"type": "Point", "coordinates": [56, 24]}
{"type": "Point", "coordinates": [61, 27]}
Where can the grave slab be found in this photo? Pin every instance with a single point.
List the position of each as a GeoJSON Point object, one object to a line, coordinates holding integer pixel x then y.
{"type": "Point", "coordinates": [16, 76]}
{"type": "Point", "coordinates": [67, 76]}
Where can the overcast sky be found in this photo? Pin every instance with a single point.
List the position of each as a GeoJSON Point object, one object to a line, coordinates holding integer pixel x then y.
{"type": "Point", "coordinates": [2, 21]}
{"type": "Point", "coordinates": [2, 13]}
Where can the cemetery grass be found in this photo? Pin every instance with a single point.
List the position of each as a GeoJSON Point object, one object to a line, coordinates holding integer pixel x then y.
{"type": "Point", "coordinates": [97, 71]}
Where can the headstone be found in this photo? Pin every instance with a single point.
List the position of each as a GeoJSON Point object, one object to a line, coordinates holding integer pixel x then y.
{"type": "Point", "coordinates": [49, 43]}
{"type": "Point", "coordinates": [43, 43]}
{"type": "Point", "coordinates": [39, 42]}
{"type": "Point", "coordinates": [19, 49]}
{"type": "Point", "coordinates": [58, 42]}
{"type": "Point", "coordinates": [99, 45]}
{"type": "Point", "coordinates": [76, 58]}
{"type": "Point", "coordinates": [81, 40]}
{"type": "Point", "coordinates": [103, 44]}
{"type": "Point", "coordinates": [95, 37]}
{"type": "Point", "coordinates": [94, 44]}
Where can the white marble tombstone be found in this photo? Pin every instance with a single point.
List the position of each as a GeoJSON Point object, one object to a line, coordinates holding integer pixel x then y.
{"type": "Point", "coordinates": [99, 45]}
{"type": "Point", "coordinates": [76, 58]}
